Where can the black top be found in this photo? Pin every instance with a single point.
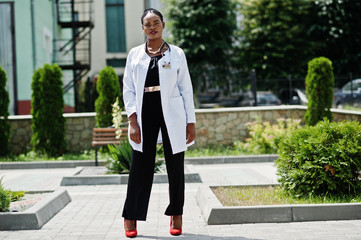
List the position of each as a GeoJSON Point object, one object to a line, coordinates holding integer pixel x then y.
{"type": "Point", "coordinates": [152, 78]}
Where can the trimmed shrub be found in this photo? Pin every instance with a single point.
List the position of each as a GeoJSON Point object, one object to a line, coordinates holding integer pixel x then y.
{"type": "Point", "coordinates": [5, 127]}
{"type": "Point", "coordinates": [38, 138]}
{"type": "Point", "coordinates": [47, 110]}
{"type": "Point", "coordinates": [265, 138]}
{"type": "Point", "coordinates": [319, 90]}
{"type": "Point", "coordinates": [321, 160]}
{"type": "Point", "coordinates": [108, 89]}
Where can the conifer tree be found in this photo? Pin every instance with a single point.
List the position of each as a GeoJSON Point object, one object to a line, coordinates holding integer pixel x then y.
{"type": "Point", "coordinates": [108, 89]}
{"type": "Point", "coordinates": [5, 127]}
{"type": "Point", "coordinates": [48, 107]}
{"type": "Point", "coordinates": [319, 89]}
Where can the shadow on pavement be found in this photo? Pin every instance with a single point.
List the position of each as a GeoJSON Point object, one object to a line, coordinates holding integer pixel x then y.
{"type": "Point", "coordinates": [190, 236]}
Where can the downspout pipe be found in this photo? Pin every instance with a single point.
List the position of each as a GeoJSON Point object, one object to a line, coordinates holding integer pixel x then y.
{"type": "Point", "coordinates": [55, 17]}
{"type": "Point", "coordinates": [33, 33]}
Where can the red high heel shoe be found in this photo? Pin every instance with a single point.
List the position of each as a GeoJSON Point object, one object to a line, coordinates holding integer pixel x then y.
{"type": "Point", "coordinates": [131, 233]}
{"type": "Point", "coordinates": [175, 231]}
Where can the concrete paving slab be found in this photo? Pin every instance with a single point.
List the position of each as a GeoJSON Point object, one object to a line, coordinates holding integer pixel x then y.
{"type": "Point", "coordinates": [95, 213]}
{"type": "Point", "coordinates": [35, 179]}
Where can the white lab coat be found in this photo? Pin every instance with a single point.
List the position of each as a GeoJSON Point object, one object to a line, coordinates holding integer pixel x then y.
{"type": "Point", "coordinates": [175, 89]}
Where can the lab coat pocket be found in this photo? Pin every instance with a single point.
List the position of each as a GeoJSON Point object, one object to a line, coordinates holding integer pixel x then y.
{"type": "Point", "coordinates": [178, 110]}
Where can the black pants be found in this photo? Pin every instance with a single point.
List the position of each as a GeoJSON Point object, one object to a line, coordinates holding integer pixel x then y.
{"type": "Point", "coordinates": [142, 166]}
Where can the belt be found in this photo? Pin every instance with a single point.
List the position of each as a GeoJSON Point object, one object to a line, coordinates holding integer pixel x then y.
{"type": "Point", "coordinates": [152, 89]}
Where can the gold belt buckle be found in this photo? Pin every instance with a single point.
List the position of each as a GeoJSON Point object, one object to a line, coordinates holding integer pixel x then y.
{"type": "Point", "coordinates": [152, 89]}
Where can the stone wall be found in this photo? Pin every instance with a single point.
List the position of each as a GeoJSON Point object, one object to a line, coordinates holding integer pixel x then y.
{"type": "Point", "coordinates": [78, 132]}
{"type": "Point", "coordinates": [214, 126]}
{"type": "Point", "coordinates": [226, 125]}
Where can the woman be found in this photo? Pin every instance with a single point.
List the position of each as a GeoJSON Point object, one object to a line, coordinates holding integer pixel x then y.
{"type": "Point", "coordinates": [158, 98]}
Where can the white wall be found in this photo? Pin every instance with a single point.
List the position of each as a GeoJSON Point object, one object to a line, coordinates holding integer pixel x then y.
{"type": "Point", "coordinates": [134, 33]}
{"type": "Point", "coordinates": [98, 40]}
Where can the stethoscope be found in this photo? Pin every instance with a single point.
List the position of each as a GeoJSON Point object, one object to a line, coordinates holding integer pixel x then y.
{"type": "Point", "coordinates": [166, 64]}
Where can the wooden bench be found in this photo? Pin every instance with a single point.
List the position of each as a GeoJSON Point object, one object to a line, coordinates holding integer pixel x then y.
{"type": "Point", "coordinates": [105, 136]}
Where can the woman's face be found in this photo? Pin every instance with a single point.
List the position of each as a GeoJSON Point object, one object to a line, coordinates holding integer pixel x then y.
{"type": "Point", "coordinates": [152, 26]}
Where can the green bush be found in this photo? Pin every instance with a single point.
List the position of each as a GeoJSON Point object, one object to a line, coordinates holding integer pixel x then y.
{"type": "Point", "coordinates": [47, 109]}
{"type": "Point", "coordinates": [321, 160]}
{"type": "Point", "coordinates": [4, 113]}
{"type": "Point", "coordinates": [17, 195]}
{"type": "Point", "coordinates": [120, 157]}
{"type": "Point", "coordinates": [319, 90]}
{"type": "Point", "coordinates": [265, 138]}
{"type": "Point", "coordinates": [5, 198]}
{"type": "Point", "coordinates": [108, 89]}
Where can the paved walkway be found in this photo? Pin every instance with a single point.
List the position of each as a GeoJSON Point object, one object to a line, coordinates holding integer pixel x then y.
{"type": "Point", "coordinates": [95, 211]}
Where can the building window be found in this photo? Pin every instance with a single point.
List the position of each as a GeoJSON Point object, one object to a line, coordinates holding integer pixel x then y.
{"type": "Point", "coordinates": [115, 26]}
{"type": "Point", "coordinates": [116, 63]}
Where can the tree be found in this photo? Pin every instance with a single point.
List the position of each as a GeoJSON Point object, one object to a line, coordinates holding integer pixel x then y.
{"type": "Point", "coordinates": [319, 90]}
{"type": "Point", "coordinates": [108, 89]}
{"type": "Point", "coordinates": [274, 37]}
{"type": "Point", "coordinates": [38, 138]}
{"type": "Point", "coordinates": [5, 127]}
{"type": "Point", "coordinates": [47, 109]}
{"type": "Point", "coordinates": [204, 30]}
{"type": "Point", "coordinates": [337, 28]}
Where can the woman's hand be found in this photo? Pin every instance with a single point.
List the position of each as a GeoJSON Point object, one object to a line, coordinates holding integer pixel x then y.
{"type": "Point", "coordinates": [134, 130]}
{"type": "Point", "coordinates": [190, 132]}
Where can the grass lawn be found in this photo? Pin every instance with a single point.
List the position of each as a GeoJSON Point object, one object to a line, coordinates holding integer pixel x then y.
{"type": "Point", "coordinates": [269, 195]}
{"type": "Point", "coordinates": [217, 150]}
{"type": "Point", "coordinates": [352, 108]}
{"type": "Point", "coordinates": [90, 155]}
{"type": "Point", "coordinates": [32, 156]}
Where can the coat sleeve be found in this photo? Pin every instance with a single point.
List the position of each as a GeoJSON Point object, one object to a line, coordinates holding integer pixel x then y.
{"type": "Point", "coordinates": [186, 89]}
{"type": "Point", "coordinates": [129, 94]}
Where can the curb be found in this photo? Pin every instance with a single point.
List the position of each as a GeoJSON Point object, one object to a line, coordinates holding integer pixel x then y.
{"type": "Point", "coordinates": [87, 163]}
{"type": "Point", "coordinates": [214, 213]}
{"type": "Point", "coordinates": [120, 179]}
{"type": "Point", "coordinates": [36, 216]}
{"type": "Point", "coordinates": [231, 159]}
{"type": "Point", "coordinates": [49, 164]}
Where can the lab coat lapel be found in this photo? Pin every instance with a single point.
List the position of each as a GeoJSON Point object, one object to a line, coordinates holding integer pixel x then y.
{"type": "Point", "coordinates": [141, 72]}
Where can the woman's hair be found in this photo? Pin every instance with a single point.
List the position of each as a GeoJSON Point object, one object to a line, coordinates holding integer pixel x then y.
{"type": "Point", "coordinates": [151, 10]}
